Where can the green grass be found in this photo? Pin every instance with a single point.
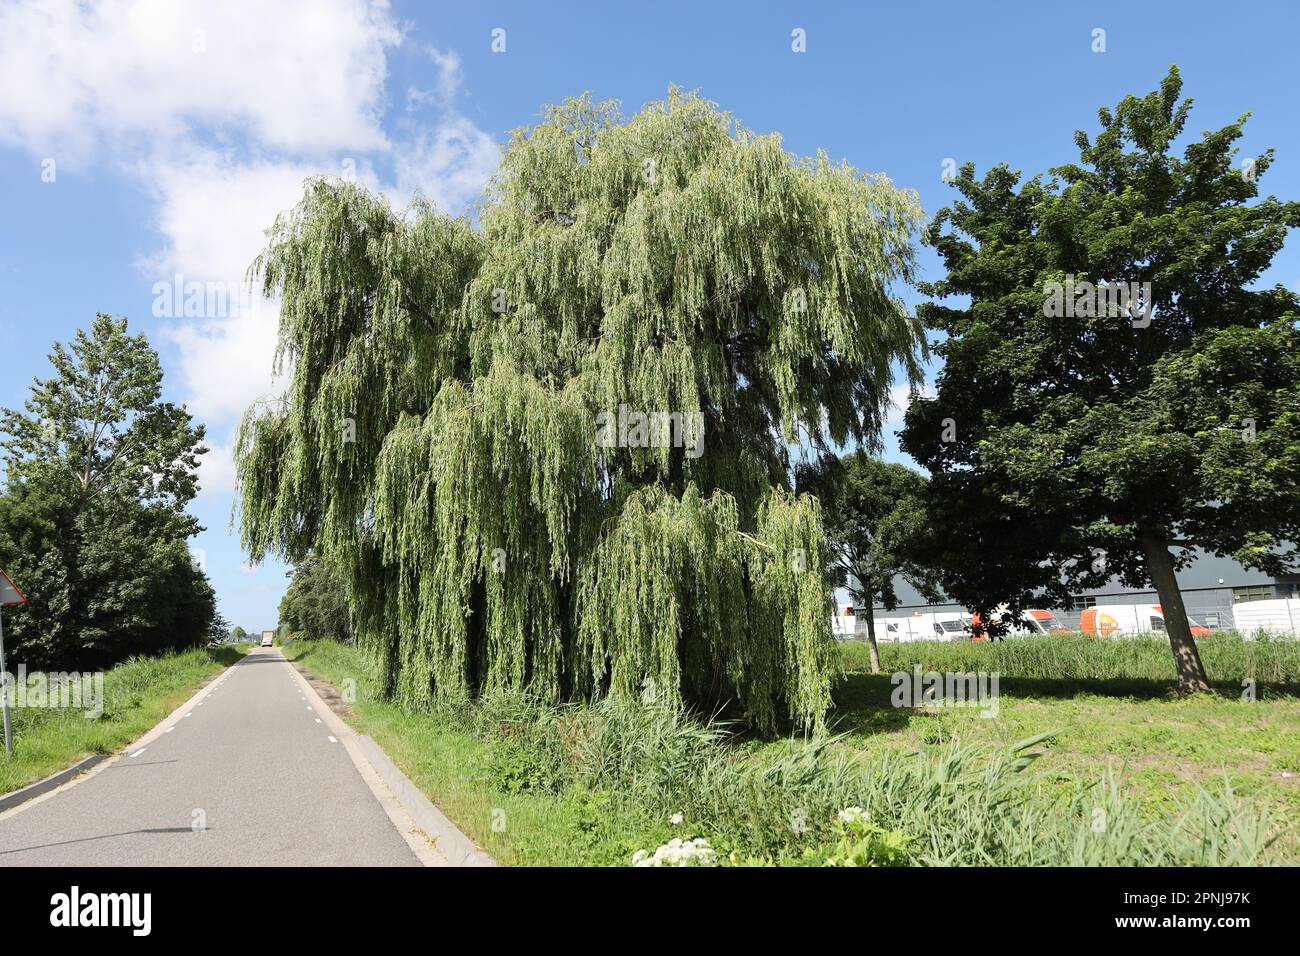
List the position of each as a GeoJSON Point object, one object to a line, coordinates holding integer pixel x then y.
{"type": "Point", "coordinates": [1195, 781]}
{"type": "Point", "coordinates": [1144, 661]}
{"type": "Point", "coordinates": [1111, 707]}
{"type": "Point", "coordinates": [473, 782]}
{"type": "Point", "coordinates": [137, 694]}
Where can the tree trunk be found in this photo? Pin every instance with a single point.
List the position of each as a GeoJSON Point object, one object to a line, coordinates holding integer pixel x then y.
{"type": "Point", "coordinates": [871, 633]}
{"type": "Point", "coordinates": [1160, 566]}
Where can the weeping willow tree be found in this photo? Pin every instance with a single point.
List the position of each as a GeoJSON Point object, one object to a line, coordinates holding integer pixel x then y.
{"type": "Point", "coordinates": [551, 449]}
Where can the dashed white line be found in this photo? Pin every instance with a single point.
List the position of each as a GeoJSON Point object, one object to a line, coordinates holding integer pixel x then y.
{"type": "Point", "coordinates": [317, 719]}
{"type": "Point", "coordinates": [169, 730]}
{"type": "Point", "coordinates": [333, 740]}
{"type": "Point", "coordinates": [139, 752]}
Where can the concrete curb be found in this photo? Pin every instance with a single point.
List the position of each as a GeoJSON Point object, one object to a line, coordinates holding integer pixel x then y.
{"type": "Point", "coordinates": [54, 780]}
{"type": "Point", "coordinates": [459, 849]}
{"type": "Point", "coordinates": [444, 844]}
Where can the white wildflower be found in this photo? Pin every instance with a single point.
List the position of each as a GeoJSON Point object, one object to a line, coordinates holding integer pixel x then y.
{"type": "Point", "coordinates": [852, 815]}
{"type": "Point", "coordinates": [676, 819]}
{"type": "Point", "coordinates": [677, 852]}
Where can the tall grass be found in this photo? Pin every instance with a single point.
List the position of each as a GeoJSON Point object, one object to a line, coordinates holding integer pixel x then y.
{"type": "Point", "coordinates": [952, 804]}
{"type": "Point", "coordinates": [1227, 657]}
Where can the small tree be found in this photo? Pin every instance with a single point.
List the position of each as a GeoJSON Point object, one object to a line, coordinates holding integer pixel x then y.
{"type": "Point", "coordinates": [1114, 395]}
{"type": "Point", "coordinates": [876, 523]}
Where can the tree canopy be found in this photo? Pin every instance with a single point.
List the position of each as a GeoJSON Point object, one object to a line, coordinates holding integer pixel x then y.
{"type": "Point", "coordinates": [316, 604]}
{"type": "Point", "coordinates": [550, 450]}
{"type": "Point", "coordinates": [98, 473]}
{"type": "Point", "coordinates": [877, 525]}
{"type": "Point", "coordinates": [1115, 388]}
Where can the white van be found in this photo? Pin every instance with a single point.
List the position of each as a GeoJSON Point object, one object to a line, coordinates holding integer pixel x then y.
{"type": "Point", "coordinates": [1033, 620]}
{"type": "Point", "coordinates": [1129, 620]}
{"type": "Point", "coordinates": [1280, 616]}
{"type": "Point", "coordinates": [925, 626]}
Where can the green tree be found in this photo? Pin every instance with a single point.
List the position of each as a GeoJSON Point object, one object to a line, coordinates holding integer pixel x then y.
{"type": "Point", "coordinates": [1084, 429]}
{"type": "Point", "coordinates": [876, 522]}
{"type": "Point", "coordinates": [316, 604]}
{"type": "Point", "coordinates": [238, 633]}
{"type": "Point", "coordinates": [98, 471]}
{"type": "Point", "coordinates": [551, 451]}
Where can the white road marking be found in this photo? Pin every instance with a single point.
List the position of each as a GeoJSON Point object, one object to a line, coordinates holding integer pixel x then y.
{"type": "Point", "coordinates": [317, 719]}
{"type": "Point", "coordinates": [333, 740]}
{"type": "Point", "coordinates": [169, 730]}
{"type": "Point", "coordinates": [139, 752]}
{"type": "Point", "coordinates": [309, 706]}
{"type": "Point", "coordinates": [190, 714]}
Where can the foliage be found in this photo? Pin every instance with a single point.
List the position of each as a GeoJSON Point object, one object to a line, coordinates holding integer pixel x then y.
{"type": "Point", "coordinates": [1060, 658]}
{"type": "Point", "coordinates": [1070, 445]}
{"type": "Point", "coordinates": [93, 527]}
{"type": "Point", "coordinates": [315, 604]}
{"type": "Point", "coordinates": [876, 521]}
{"type": "Point", "coordinates": [444, 438]}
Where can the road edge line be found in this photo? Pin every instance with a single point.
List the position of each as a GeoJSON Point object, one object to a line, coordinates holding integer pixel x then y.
{"type": "Point", "coordinates": [95, 763]}
{"type": "Point", "coordinates": [22, 795]}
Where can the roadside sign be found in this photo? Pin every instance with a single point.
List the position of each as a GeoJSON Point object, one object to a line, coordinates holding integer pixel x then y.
{"type": "Point", "coordinates": [9, 593]}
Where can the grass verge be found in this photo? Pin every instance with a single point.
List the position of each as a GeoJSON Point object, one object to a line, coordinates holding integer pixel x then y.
{"type": "Point", "coordinates": [580, 785]}
{"type": "Point", "coordinates": [136, 695]}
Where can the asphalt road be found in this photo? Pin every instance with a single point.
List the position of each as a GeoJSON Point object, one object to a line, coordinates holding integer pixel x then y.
{"type": "Point", "coordinates": [249, 777]}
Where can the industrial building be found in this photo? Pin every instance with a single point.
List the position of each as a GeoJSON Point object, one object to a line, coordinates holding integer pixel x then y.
{"type": "Point", "coordinates": [1210, 585]}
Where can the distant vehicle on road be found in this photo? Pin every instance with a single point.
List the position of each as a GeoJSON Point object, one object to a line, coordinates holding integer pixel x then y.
{"type": "Point", "coordinates": [268, 638]}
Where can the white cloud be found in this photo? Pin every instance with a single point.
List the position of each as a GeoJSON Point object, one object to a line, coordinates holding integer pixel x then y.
{"type": "Point", "coordinates": [305, 76]}
{"type": "Point", "coordinates": [217, 471]}
{"type": "Point", "coordinates": [900, 396]}
{"type": "Point", "coordinates": [225, 364]}
{"type": "Point", "coordinates": [213, 214]}
{"type": "Point", "coordinates": [449, 75]}
{"type": "Point", "coordinates": [221, 110]}
{"type": "Point", "coordinates": [449, 165]}
{"type": "Point", "coordinates": [447, 86]}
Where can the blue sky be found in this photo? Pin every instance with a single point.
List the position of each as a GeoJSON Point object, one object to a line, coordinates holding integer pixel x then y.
{"type": "Point", "coordinates": [178, 129]}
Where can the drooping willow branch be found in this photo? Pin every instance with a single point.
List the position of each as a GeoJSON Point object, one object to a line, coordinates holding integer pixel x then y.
{"type": "Point", "coordinates": [438, 440]}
